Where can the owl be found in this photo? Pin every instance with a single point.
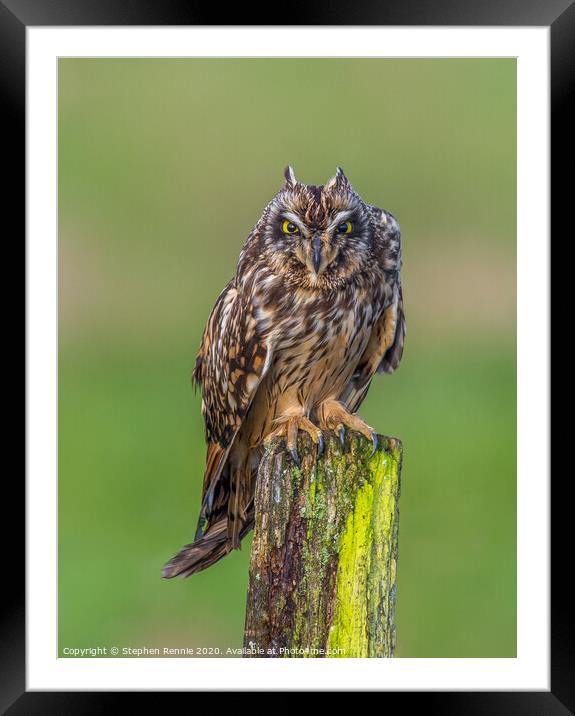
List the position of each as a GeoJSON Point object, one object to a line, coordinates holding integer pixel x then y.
{"type": "Point", "coordinates": [314, 310]}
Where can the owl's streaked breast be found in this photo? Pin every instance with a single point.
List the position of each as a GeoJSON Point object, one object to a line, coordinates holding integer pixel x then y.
{"type": "Point", "coordinates": [318, 342]}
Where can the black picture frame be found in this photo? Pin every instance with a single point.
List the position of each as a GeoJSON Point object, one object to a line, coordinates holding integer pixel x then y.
{"type": "Point", "coordinates": [15, 17]}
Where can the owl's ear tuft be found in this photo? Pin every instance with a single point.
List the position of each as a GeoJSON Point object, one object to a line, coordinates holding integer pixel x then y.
{"type": "Point", "coordinates": [339, 180]}
{"type": "Point", "coordinates": [289, 175]}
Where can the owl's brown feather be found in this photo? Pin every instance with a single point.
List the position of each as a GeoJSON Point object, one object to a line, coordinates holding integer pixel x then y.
{"type": "Point", "coordinates": [230, 365]}
{"type": "Point", "coordinates": [382, 354]}
{"type": "Point", "coordinates": [292, 343]}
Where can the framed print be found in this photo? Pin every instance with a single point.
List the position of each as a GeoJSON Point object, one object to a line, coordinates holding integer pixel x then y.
{"type": "Point", "coordinates": [377, 188]}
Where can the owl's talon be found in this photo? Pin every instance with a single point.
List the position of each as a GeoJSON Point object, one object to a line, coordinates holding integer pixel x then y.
{"type": "Point", "coordinates": [289, 430]}
{"type": "Point", "coordinates": [294, 456]}
{"type": "Point", "coordinates": [333, 415]}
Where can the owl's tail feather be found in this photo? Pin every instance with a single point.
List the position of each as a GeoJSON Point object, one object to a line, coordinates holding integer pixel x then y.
{"type": "Point", "coordinates": [239, 495]}
{"type": "Point", "coordinates": [208, 549]}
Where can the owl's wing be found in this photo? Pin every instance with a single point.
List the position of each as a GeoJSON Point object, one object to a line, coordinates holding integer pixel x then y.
{"type": "Point", "coordinates": [231, 363]}
{"type": "Point", "coordinates": [382, 354]}
{"type": "Point", "coordinates": [392, 355]}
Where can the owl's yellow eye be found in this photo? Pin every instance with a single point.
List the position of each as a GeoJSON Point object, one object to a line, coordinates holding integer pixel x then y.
{"type": "Point", "coordinates": [345, 227]}
{"type": "Point", "coordinates": [289, 228]}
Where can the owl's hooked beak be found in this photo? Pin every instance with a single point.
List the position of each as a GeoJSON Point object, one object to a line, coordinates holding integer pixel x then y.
{"type": "Point", "coordinates": [316, 253]}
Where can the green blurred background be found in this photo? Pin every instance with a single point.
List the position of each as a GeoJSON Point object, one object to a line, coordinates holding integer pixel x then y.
{"type": "Point", "coordinates": [164, 167]}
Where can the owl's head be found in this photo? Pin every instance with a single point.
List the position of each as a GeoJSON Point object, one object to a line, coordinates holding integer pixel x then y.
{"type": "Point", "coordinates": [317, 236]}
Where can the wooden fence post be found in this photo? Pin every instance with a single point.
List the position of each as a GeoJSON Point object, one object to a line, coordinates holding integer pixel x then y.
{"type": "Point", "coordinates": [323, 562]}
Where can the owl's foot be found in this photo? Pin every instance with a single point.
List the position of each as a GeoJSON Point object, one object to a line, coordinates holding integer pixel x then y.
{"type": "Point", "coordinates": [334, 416]}
{"type": "Point", "coordinates": [289, 429]}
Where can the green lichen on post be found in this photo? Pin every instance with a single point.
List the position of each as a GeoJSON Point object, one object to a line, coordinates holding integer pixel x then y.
{"type": "Point", "coordinates": [324, 555]}
{"type": "Point", "coordinates": [363, 619]}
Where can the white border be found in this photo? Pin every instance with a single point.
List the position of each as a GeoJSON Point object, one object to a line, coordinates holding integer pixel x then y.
{"type": "Point", "coordinates": [530, 670]}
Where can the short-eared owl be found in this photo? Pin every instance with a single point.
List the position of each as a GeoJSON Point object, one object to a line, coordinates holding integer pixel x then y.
{"type": "Point", "coordinates": [313, 312]}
